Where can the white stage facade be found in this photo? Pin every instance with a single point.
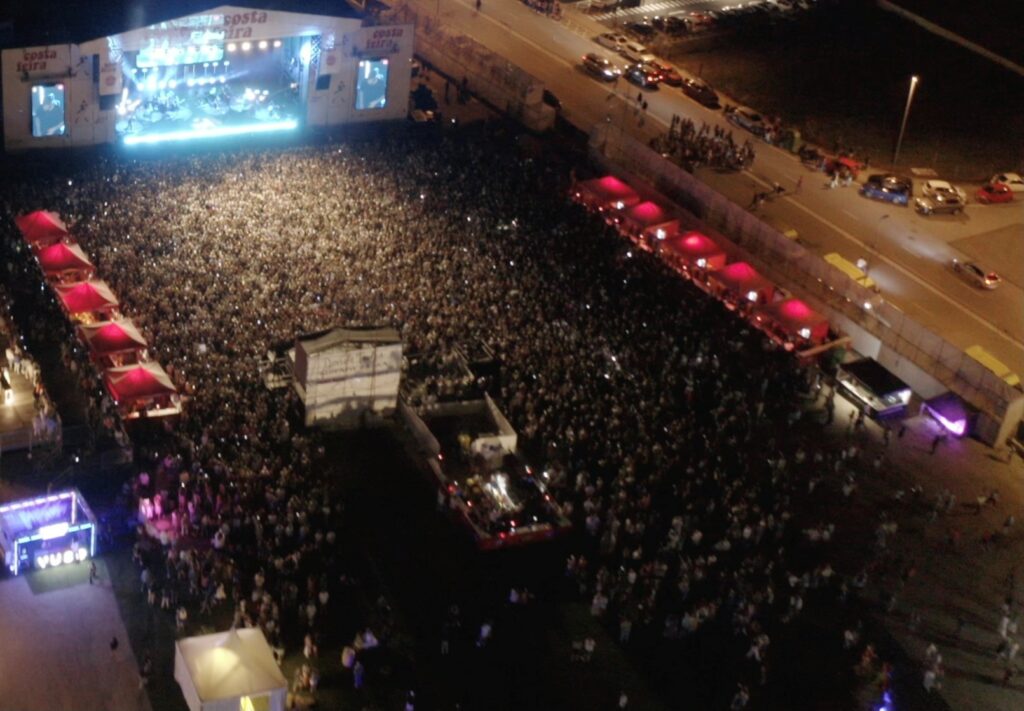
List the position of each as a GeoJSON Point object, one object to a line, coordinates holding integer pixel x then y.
{"type": "Point", "coordinates": [228, 71]}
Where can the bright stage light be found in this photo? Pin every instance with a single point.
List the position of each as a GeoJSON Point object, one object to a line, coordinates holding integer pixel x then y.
{"type": "Point", "coordinates": [306, 53]}
{"type": "Point", "coordinates": [190, 83]}
{"type": "Point", "coordinates": [217, 132]}
{"type": "Point", "coordinates": [223, 79]}
{"type": "Point", "coordinates": [55, 530]}
{"type": "Point", "coordinates": [277, 43]}
{"type": "Point", "coordinates": [173, 83]}
{"type": "Point", "coordinates": [232, 46]}
{"type": "Point", "coordinates": [263, 44]}
{"type": "Point", "coordinates": [246, 46]}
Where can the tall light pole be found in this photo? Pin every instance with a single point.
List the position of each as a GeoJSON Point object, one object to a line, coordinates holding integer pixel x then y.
{"type": "Point", "coordinates": [906, 114]}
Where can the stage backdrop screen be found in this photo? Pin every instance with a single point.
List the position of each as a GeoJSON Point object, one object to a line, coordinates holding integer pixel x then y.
{"type": "Point", "coordinates": [372, 84]}
{"type": "Point", "coordinates": [48, 110]}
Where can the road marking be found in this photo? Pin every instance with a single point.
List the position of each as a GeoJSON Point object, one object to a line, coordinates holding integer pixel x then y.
{"type": "Point", "coordinates": [898, 267]}
{"type": "Point", "coordinates": [853, 216]}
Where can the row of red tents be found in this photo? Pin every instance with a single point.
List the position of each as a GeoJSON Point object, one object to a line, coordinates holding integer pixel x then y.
{"type": "Point", "coordinates": [115, 344]}
{"type": "Point", "coordinates": [658, 229]}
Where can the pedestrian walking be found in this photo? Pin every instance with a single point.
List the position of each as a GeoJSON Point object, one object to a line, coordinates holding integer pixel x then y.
{"type": "Point", "coordinates": [478, 4]}
{"type": "Point", "coordinates": [799, 184]}
{"type": "Point", "coordinates": [357, 675]}
{"type": "Point", "coordinates": [92, 572]}
{"type": "Point", "coordinates": [114, 644]}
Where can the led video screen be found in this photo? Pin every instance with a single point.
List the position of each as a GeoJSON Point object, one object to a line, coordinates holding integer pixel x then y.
{"type": "Point", "coordinates": [48, 110]}
{"type": "Point", "coordinates": [372, 84]}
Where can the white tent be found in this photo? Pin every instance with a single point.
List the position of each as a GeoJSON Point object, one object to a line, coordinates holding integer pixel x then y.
{"type": "Point", "coordinates": [229, 671]}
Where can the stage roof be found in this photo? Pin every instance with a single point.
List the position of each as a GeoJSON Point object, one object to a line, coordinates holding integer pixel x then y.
{"type": "Point", "coordinates": [231, 664]}
{"type": "Point", "coordinates": [84, 296]}
{"type": "Point", "coordinates": [112, 337]}
{"type": "Point", "coordinates": [342, 337]}
{"type": "Point", "coordinates": [138, 382]}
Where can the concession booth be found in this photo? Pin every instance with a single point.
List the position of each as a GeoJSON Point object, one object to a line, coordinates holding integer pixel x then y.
{"type": "Point", "coordinates": [65, 262]}
{"type": "Point", "coordinates": [607, 193]}
{"type": "Point", "coordinates": [113, 343]}
{"type": "Point", "coordinates": [229, 671]}
{"type": "Point", "coordinates": [41, 228]}
{"type": "Point", "coordinates": [793, 323]}
{"type": "Point", "coordinates": [48, 531]}
{"type": "Point", "coordinates": [142, 390]}
{"type": "Point", "coordinates": [87, 301]}
{"type": "Point", "coordinates": [634, 221]}
{"type": "Point", "coordinates": [869, 384]}
{"type": "Point", "coordinates": [739, 284]}
{"type": "Point", "coordinates": [691, 251]}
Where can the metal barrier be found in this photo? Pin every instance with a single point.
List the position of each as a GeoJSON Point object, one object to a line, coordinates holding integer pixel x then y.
{"type": "Point", "coordinates": [792, 265]}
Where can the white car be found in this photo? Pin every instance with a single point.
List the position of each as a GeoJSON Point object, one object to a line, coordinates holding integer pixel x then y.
{"type": "Point", "coordinates": [940, 189]}
{"type": "Point", "coordinates": [611, 40]}
{"type": "Point", "coordinates": [633, 51]}
{"type": "Point", "coordinates": [1011, 180]}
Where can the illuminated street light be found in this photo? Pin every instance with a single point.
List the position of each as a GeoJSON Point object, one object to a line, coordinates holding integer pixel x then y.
{"type": "Point", "coordinates": [906, 113]}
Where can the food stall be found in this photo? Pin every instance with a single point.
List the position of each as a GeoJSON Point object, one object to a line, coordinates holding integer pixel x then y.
{"type": "Point", "coordinates": [690, 252]}
{"type": "Point", "coordinates": [47, 531]}
{"type": "Point", "coordinates": [41, 228]}
{"type": "Point", "coordinates": [113, 343]}
{"type": "Point", "coordinates": [870, 385]}
{"type": "Point", "coordinates": [739, 284]}
{"type": "Point", "coordinates": [793, 323]}
{"type": "Point", "coordinates": [142, 390]}
{"type": "Point", "coordinates": [87, 301]}
{"type": "Point", "coordinates": [634, 221]}
{"type": "Point", "coordinates": [65, 262]}
{"type": "Point", "coordinates": [607, 193]}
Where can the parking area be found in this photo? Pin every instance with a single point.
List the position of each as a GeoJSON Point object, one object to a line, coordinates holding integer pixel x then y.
{"type": "Point", "coordinates": [56, 654]}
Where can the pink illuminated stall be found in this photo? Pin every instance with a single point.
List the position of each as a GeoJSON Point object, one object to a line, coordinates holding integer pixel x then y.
{"type": "Point", "coordinates": [85, 301]}
{"type": "Point", "coordinates": [62, 261]}
{"type": "Point", "coordinates": [739, 283]}
{"type": "Point", "coordinates": [41, 228]}
{"type": "Point", "coordinates": [607, 193]}
{"type": "Point", "coordinates": [793, 321]}
{"type": "Point", "coordinates": [113, 343]}
{"type": "Point", "coordinates": [691, 250]}
{"type": "Point", "coordinates": [644, 216]}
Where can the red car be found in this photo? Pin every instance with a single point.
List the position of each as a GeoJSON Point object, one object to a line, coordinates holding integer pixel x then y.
{"type": "Point", "coordinates": [995, 192]}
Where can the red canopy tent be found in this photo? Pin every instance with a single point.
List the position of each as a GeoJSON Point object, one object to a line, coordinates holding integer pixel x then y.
{"type": "Point", "coordinates": [62, 258]}
{"type": "Point", "coordinates": [112, 337]}
{"type": "Point", "coordinates": [633, 221]}
{"type": "Point", "coordinates": [604, 193]}
{"type": "Point", "coordinates": [91, 296]}
{"type": "Point", "coordinates": [692, 249]}
{"type": "Point", "coordinates": [41, 227]}
{"type": "Point", "coordinates": [743, 281]}
{"type": "Point", "coordinates": [142, 382]}
{"type": "Point", "coordinates": [792, 319]}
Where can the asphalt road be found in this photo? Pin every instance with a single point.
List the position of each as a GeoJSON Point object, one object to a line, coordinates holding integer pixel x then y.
{"type": "Point", "coordinates": [908, 254]}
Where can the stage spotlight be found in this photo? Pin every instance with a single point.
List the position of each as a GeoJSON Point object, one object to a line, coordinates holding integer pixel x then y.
{"type": "Point", "coordinates": [223, 80]}
{"type": "Point", "coordinates": [227, 63]}
{"type": "Point", "coordinates": [211, 132]}
{"type": "Point", "coordinates": [246, 46]}
{"type": "Point", "coordinates": [277, 43]}
{"type": "Point", "coordinates": [190, 83]}
{"type": "Point", "coordinates": [216, 64]}
{"type": "Point", "coordinates": [173, 83]}
{"type": "Point", "coordinates": [306, 53]}
{"type": "Point", "coordinates": [232, 46]}
{"type": "Point", "coordinates": [263, 44]}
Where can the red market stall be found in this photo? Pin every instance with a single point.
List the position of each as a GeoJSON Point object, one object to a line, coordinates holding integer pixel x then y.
{"type": "Point", "coordinates": [84, 300]}
{"type": "Point", "coordinates": [63, 261]}
{"type": "Point", "coordinates": [605, 193]}
{"type": "Point", "coordinates": [143, 389]}
{"type": "Point", "coordinates": [633, 221]}
{"type": "Point", "coordinates": [793, 321]}
{"type": "Point", "coordinates": [41, 227]}
{"type": "Point", "coordinates": [115, 342]}
{"type": "Point", "coordinates": [691, 250]}
{"type": "Point", "coordinates": [740, 283]}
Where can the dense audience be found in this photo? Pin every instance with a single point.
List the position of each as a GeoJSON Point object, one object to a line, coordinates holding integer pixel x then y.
{"type": "Point", "coordinates": [692, 146]}
{"type": "Point", "coordinates": [663, 420]}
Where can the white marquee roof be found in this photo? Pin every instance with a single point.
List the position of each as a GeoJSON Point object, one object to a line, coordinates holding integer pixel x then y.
{"type": "Point", "coordinates": [231, 664]}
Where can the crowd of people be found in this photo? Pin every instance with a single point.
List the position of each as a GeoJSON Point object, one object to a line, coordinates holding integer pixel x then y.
{"type": "Point", "coordinates": [670, 429]}
{"type": "Point", "coordinates": [711, 145]}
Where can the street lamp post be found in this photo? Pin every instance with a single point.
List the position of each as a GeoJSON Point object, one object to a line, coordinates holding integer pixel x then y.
{"type": "Point", "coordinates": [906, 114]}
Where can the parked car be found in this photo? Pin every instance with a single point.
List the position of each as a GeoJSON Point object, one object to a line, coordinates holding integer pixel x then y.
{"type": "Point", "coordinates": [890, 188]}
{"type": "Point", "coordinates": [939, 204]}
{"type": "Point", "coordinates": [635, 52]}
{"type": "Point", "coordinates": [748, 119]}
{"type": "Point", "coordinates": [611, 40]}
{"type": "Point", "coordinates": [551, 100]}
{"type": "Point", "coordinates": [701, 92]}
{"type": "Point", "coordinates": [670, 24]}
{"type": "Point", "coordinates": [600, 67]}
{"type": "Point", "coordinates": [973, 274]}
{"type": "Point", "coordinates": [642, 75]}
{"type": "Point", "coordinates": [666, 74]}
{"type": "Point", "coordinates": [934, 188]}
{"type": "Point", "coordinates": [1011, 180]}
{"type": "Point", "coordinates": [642, 28]}
{"type": "Point", "coordinates": [699, 21]}
{"type": "Point", "coordinates": [994, 193]}
{"type": "Point", "coordinates": [603, 5]}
